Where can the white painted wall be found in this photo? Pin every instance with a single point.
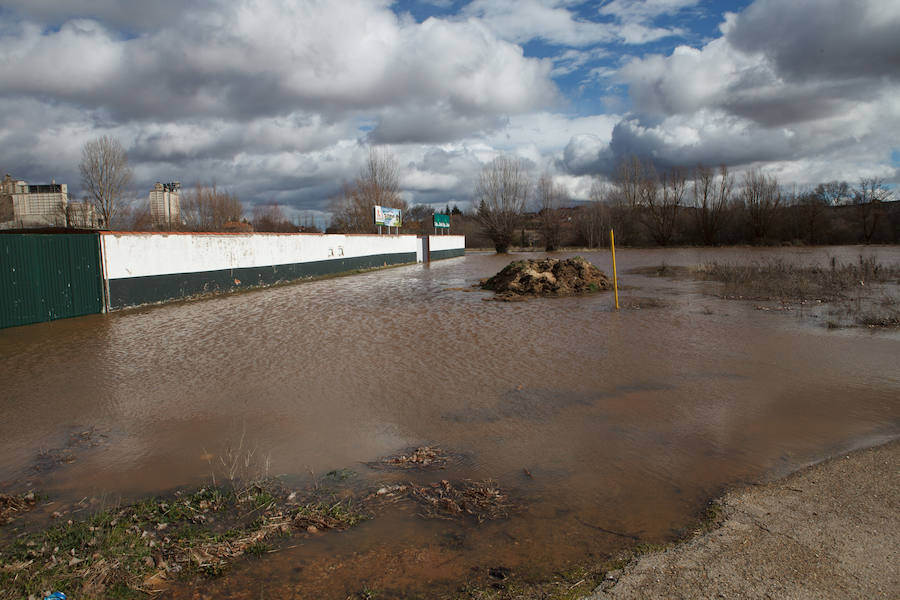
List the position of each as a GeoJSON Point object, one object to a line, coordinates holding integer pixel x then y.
{"type": "Point", "coordinates": [143, 254]}
{"type": "Point", "coordinates": [447, 242]}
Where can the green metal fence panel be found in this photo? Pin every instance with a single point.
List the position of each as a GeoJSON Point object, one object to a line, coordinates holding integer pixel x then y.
{"type": "Point", "coordinates": [49, 276]}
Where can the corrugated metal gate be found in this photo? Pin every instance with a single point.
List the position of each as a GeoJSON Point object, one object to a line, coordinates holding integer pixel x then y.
{"type": "Point", "coordinates": [49, 276]}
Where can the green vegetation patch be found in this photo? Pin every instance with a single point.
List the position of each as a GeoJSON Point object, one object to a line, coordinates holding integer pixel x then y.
{"type": "Point", "coordinates": [124, 551]}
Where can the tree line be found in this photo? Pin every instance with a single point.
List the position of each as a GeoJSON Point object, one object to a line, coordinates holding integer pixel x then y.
{"type": "Point", "coordinates": [644, 205]}
{"type": "Point", "coordinates": [106, 176]}
{"type": "Point", "coordinates": [702, 206]}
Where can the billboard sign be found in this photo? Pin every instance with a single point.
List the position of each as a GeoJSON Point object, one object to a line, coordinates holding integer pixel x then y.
{"type": "Point", "coordinates": [389, 217]}
{"type": "Point", "coordinates": [442, 221]}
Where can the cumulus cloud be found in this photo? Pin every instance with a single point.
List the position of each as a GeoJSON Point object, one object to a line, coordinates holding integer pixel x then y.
{"type": "Point", "coordinates": [244, 59]}
{"type": "Point", "coordinates": [277, 100]}
{"type": "Point", "coordinates": [636, 11]}
{"type": "Point", "coordinates": [252, 91]}
{"type": "Point", "coordinates": [812, 82]}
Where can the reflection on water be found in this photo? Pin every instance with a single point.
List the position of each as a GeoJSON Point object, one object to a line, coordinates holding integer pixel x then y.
{"type": "Point", "coordinates": [627, 421]}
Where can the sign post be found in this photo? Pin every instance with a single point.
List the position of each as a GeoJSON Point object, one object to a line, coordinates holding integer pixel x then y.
{"type": "Point", "coordinates": [441, 222]}
{"type": "Point", "coordinates": [388, 217]}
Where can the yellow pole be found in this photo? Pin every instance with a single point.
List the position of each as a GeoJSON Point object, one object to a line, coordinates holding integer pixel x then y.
{"type": "Point", "coordinates": [612, 244]}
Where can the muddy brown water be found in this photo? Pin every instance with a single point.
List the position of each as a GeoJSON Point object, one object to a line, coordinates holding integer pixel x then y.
{"type": "Point", "coordinates": [628, 421]}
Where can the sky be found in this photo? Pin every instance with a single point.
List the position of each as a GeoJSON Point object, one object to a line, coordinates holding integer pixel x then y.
{"type": "Point", "coordinates": [280, 100]}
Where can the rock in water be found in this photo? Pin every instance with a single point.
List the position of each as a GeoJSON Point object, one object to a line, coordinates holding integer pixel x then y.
{"type": "Point", "coordinates": [547, 277]}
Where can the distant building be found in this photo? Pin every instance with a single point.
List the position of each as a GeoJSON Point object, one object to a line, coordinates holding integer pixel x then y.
{"type": "Point", "coordinates": [82, 215]}
{"type": "Point", "coordinates": [26, 206]}
{"type": "Point", "coordinates": [165, 205]}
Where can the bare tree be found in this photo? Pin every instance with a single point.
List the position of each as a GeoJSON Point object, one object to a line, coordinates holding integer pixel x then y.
{"type": "Point", "coordinates": [810, 207]}
{"type": "Point", "coordinates": [662, 198]}
{"type": "Point", "coordinates": [346, 215]}
{"type": "Point", "coordinates": [419, 219]}
{"type": "Point", "coordinates": [141, 219]}
{"type": "Point", "coordinates": [761, 198]}
{"type": "Point", "coordinates": [501, 195]}
{"type": "Point", "coordinates": [833, 193]}
{"type": "Point", "coordinates": [550, 199]}
{"type": "Point", "coordinates": [868, 198]}
{"type": "Point", "coordinates": [207, 208]}
{"type": "Point", "coordinates": [625, 199]}
{"type": "Point", "coordinates": [712, 193]}
{"type": "Point", "coordinates": [105, 175]}
{"type": "Point", "coordinates": [270, 217]}
{"type": "Point", "coordinates": [593, 219]}
{"type": "Point", "coordinates": [378, 184]}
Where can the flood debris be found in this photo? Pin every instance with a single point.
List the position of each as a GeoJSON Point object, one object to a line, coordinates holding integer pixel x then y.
{"type": "Point", "coordinates": [143, 546]}
{"type": "Point", "coordinates": [479, 500]}
{"type": "Point", "coordinates": [423, 458]}
{"type": "Point", "coordinates": [79, 441]}
{"type": "Point", "coordinates": [12, 505]}
{"type": "Point", "coordinates": [546, 277]}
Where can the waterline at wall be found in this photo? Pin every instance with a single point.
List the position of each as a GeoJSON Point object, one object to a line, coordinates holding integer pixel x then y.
{"type": "Point", "coordinates": [50, 276]}
{"type": "Point", "coordinates": [143, 268]}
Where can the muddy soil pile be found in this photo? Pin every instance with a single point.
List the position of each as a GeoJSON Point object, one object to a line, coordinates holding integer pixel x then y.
{"type": "Point", "coordinates": [546, 277]}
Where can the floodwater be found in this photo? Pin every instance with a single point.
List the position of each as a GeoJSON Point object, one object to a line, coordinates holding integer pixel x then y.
{"type": "Point", "coordinates": [627, 421]}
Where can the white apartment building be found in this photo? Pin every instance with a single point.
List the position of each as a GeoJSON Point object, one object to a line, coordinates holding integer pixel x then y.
{"type": "Point", "coordinates": [24, 206]}
{"type": "Point", "coordinates": [165, 205]}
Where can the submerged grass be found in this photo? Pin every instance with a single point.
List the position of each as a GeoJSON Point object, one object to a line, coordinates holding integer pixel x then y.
{"type": "Point", "coordinates": [781, 280]}
{"type": "Point", "coordinates": [126, 551]}
{"type": "Point", "coordinates": [862, 293]}
{"type": "Point", "coordinates": [12, 505]}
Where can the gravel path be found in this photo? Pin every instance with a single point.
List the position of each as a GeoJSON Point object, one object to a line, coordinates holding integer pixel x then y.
{"type": "Point", "coordinates": [829, 531]}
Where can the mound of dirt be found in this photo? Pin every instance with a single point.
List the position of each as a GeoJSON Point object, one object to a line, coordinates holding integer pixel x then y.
{"type": "Point", "coordinates": [547, 277]}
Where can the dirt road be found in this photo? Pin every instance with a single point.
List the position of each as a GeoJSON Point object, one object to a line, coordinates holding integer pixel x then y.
{"type": "Point", "coordinates": [829, 531]}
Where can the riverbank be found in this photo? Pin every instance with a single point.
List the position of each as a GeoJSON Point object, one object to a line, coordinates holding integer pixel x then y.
{"type": "Point", "coordinates": [829, 531]}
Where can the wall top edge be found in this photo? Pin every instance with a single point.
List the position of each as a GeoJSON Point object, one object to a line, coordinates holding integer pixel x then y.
{"type": "Point", "coordinates": [253, 234]}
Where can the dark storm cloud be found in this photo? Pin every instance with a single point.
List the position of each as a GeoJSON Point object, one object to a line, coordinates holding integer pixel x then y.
{"type": "Point", "coordinates": [815, 39]}
{"type": "Point", "coordinates": [127, 16]}
{"type": "Point", "coordinates": [665, 151]}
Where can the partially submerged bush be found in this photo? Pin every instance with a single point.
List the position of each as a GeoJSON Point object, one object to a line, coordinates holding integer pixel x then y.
{"type": "Point", "coordinates": [780, 280]}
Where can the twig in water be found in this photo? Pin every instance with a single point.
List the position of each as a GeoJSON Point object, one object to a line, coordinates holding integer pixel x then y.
{"type": "Point", "coordinates": [609, 531]}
